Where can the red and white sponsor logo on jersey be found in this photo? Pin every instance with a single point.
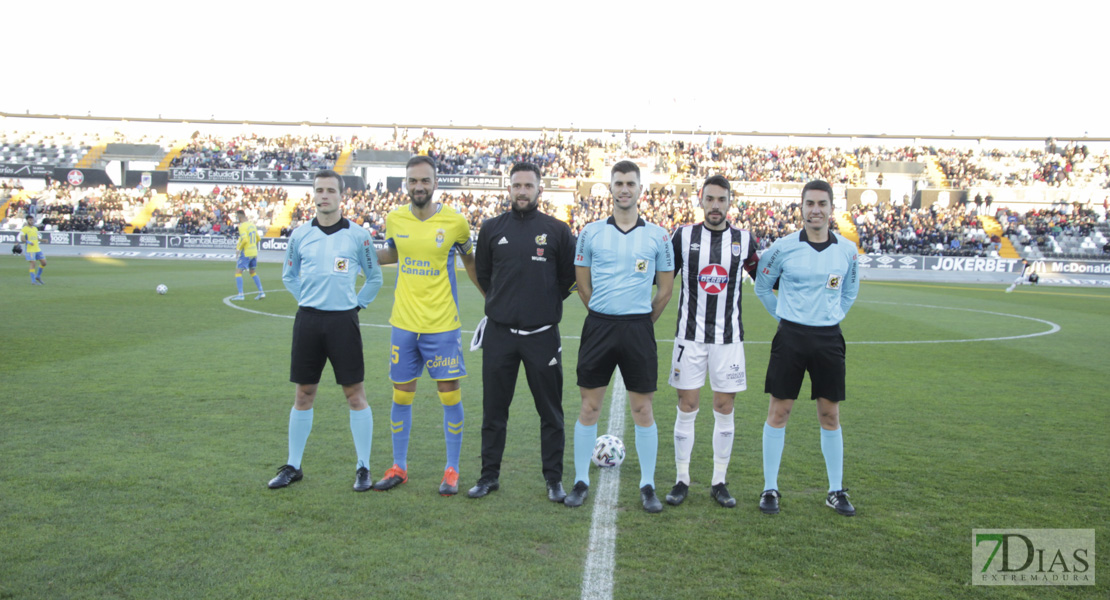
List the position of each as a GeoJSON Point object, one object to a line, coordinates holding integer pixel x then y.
{"type": "Point", "coordinates": [539, 251]}
{"type": "Point", "coordinates": [713, 279]}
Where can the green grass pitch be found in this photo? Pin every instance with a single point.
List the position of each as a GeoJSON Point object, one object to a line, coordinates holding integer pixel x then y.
{"type": "Point", "coordinates": [137, 433]}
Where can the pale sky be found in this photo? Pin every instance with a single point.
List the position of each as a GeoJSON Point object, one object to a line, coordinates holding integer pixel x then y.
{"type": "Point", "coordinates": [974, 68]}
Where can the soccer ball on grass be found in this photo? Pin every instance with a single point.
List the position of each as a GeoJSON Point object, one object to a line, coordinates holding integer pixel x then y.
{"type": "Point", "coordinates": [608, 451]}
{"type": "Point", "coordinates": [161, 289]}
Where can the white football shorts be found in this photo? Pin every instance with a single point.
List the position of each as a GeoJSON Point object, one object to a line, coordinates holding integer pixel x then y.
{"type": "Point", "coordinates": [724, 362]}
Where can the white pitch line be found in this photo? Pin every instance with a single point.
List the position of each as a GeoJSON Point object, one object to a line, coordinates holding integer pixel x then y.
{"type": "Point", "coordinates": [597, 576]}
{"type": "Point", "coordinates": [1052, 327]}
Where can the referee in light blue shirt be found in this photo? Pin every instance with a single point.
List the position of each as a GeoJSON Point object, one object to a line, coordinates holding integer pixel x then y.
{"type": "Point", "coordinates": [616, 262]}
{"type": "Point", "coordinates": [818, 280]}
{"type": "Point", "coordinates": [321, 267]}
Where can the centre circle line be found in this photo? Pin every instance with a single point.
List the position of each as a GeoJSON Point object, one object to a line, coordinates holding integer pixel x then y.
{"type": "Point", "coordinates": [1052, 327]}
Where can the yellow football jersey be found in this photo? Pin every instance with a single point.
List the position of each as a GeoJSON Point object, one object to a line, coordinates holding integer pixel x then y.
{"type": "Point", "coordinates": [426, 297]}
{"type": "Point", "coordinates": [32, 236]}
{"type": "Point", "coordinates": [248, 240]}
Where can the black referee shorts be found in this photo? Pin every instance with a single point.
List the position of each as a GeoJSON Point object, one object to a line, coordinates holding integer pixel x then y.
{"type": "Point", "coordinates": [320, 336]}
{"type": "Point", "coordinates": [797, 349]}
{"type": "Point", "coordinates": [625, 341]}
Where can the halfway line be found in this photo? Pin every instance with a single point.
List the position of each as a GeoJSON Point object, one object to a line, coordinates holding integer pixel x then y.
{"type": "Point", "coordinates": [597, 578]}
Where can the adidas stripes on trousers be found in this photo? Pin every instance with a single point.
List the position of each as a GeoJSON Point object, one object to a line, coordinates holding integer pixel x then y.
{"type": "Point", "coordinates": [502, 354]}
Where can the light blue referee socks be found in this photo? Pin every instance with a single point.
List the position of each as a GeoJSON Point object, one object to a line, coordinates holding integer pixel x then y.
{"type": "Point", "coordinates": [400, 423]}
{"type": "Point", "coordinates": [584, 439]}
{"type": "Point", "coordinates": [362, 430]}
{"type": "Point", "coordinates": [300, 425]}
{"type": "Point", "coordinates": [774, 438]}
{"type": "Point", "coordinates": [647, 449]}
{"type": "Point", "coordinates": [453, 433]}
{"type": "Point", "coordinates": [832, 446]}
{"type": "Point", "coordinates": [257, 281]}
{"type": "Point", "coordinates": [239, 284]}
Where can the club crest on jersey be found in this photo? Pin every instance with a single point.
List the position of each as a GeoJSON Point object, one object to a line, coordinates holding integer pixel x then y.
{"type": "Point", "coordinates": [342, 265]}
{"type": "Point", "coordinates": [641, 265]}
{"type": "Point", "coordinates": [541, 240]}
{"type": "Point", "coordinates": [441, 235]}
{"type": "Point", "coordinates": [833, 282]}
{"type": "Point", "coordinates": [736, 249]}
{"type": "Point", "coordinates": [713, 279]}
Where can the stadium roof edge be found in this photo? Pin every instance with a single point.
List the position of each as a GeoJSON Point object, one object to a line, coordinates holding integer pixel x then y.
{"type": "Point", "coordinates": [571, 129]}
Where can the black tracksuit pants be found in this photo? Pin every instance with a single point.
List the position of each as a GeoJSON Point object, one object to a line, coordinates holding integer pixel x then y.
{"type": "Point", "coordinates": [502, 353]}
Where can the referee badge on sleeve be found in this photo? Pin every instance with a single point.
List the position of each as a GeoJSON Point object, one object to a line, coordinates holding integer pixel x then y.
{"type": "Point", "coordinates": [833, 282]}
{"type": "Point", "coordinates": [342, 265]}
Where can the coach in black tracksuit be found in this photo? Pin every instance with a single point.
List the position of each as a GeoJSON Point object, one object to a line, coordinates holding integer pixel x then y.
{"type": "Point", "coordinates": [525, 263]}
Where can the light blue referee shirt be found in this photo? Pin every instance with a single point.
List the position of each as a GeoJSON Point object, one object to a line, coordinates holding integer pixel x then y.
{"type": "Point", "coordinates": [815, 288]}
{"type": "Point", "coordinates": [322, 265]}
{"type": "Point", "coordinates": [623, 264]}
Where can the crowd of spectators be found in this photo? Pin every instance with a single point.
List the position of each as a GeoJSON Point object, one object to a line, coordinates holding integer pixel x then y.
{"type": "Point", "coordinates": [564, 156]}
{"type": "Point", "coordinates": [1040, 226]}
{"type": "Point", "coordinates": [933, 231]}
{"type": "Point", "coordinates": [61, 207]}
{"type": "Point", "coordinates": [866, 155]}
{"type": "Point", "coordinates": [284, 153]}
{"type": "Point", "coordinates": [883, 229]}
{"type": "Point", "coordinates": [887, 229]}
{"type": "Point", "coordinates": [748, 162]}
{"type": "Point", "coordinates": [663, 206]}
{"type": "Point", "coordinates": [557, 155]}
{"type": "Point", "coordinates": [578, 155]}
{"type": "Point", "coordinates": [472, 157]}
{"type": "Point", "coordinates": [1055, 166]}
{"type": "Point", "coordinates": [201, 213]}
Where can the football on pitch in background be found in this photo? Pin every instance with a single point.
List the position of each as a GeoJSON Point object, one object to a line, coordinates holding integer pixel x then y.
{"type": "Point", "coordinates": [161, 289]}
{"type": "Point", "coordinates": [608, 451]}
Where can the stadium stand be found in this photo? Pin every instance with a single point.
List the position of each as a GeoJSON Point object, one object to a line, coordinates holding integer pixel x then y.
{"type": "Point", "coordinates": [65, 208]}
{"type": "Point", "coordinates": [197, 213]}
{"type": "Point", "coordinates": [40, 149]}
{"type": "Point", "coordinates": [971, 228]}
{"type": "Point", "coordinates": [284, 153]}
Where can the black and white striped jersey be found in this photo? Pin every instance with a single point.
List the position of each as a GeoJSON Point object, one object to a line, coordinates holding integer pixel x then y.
{"type": "Point", "coordinates": [707, 270]}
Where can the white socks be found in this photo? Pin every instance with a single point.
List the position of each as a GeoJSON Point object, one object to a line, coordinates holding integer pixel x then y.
{"type": "Point", "coordinates": [724, 430]}
{"type": "Point", "coordinates": [683, 444]}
